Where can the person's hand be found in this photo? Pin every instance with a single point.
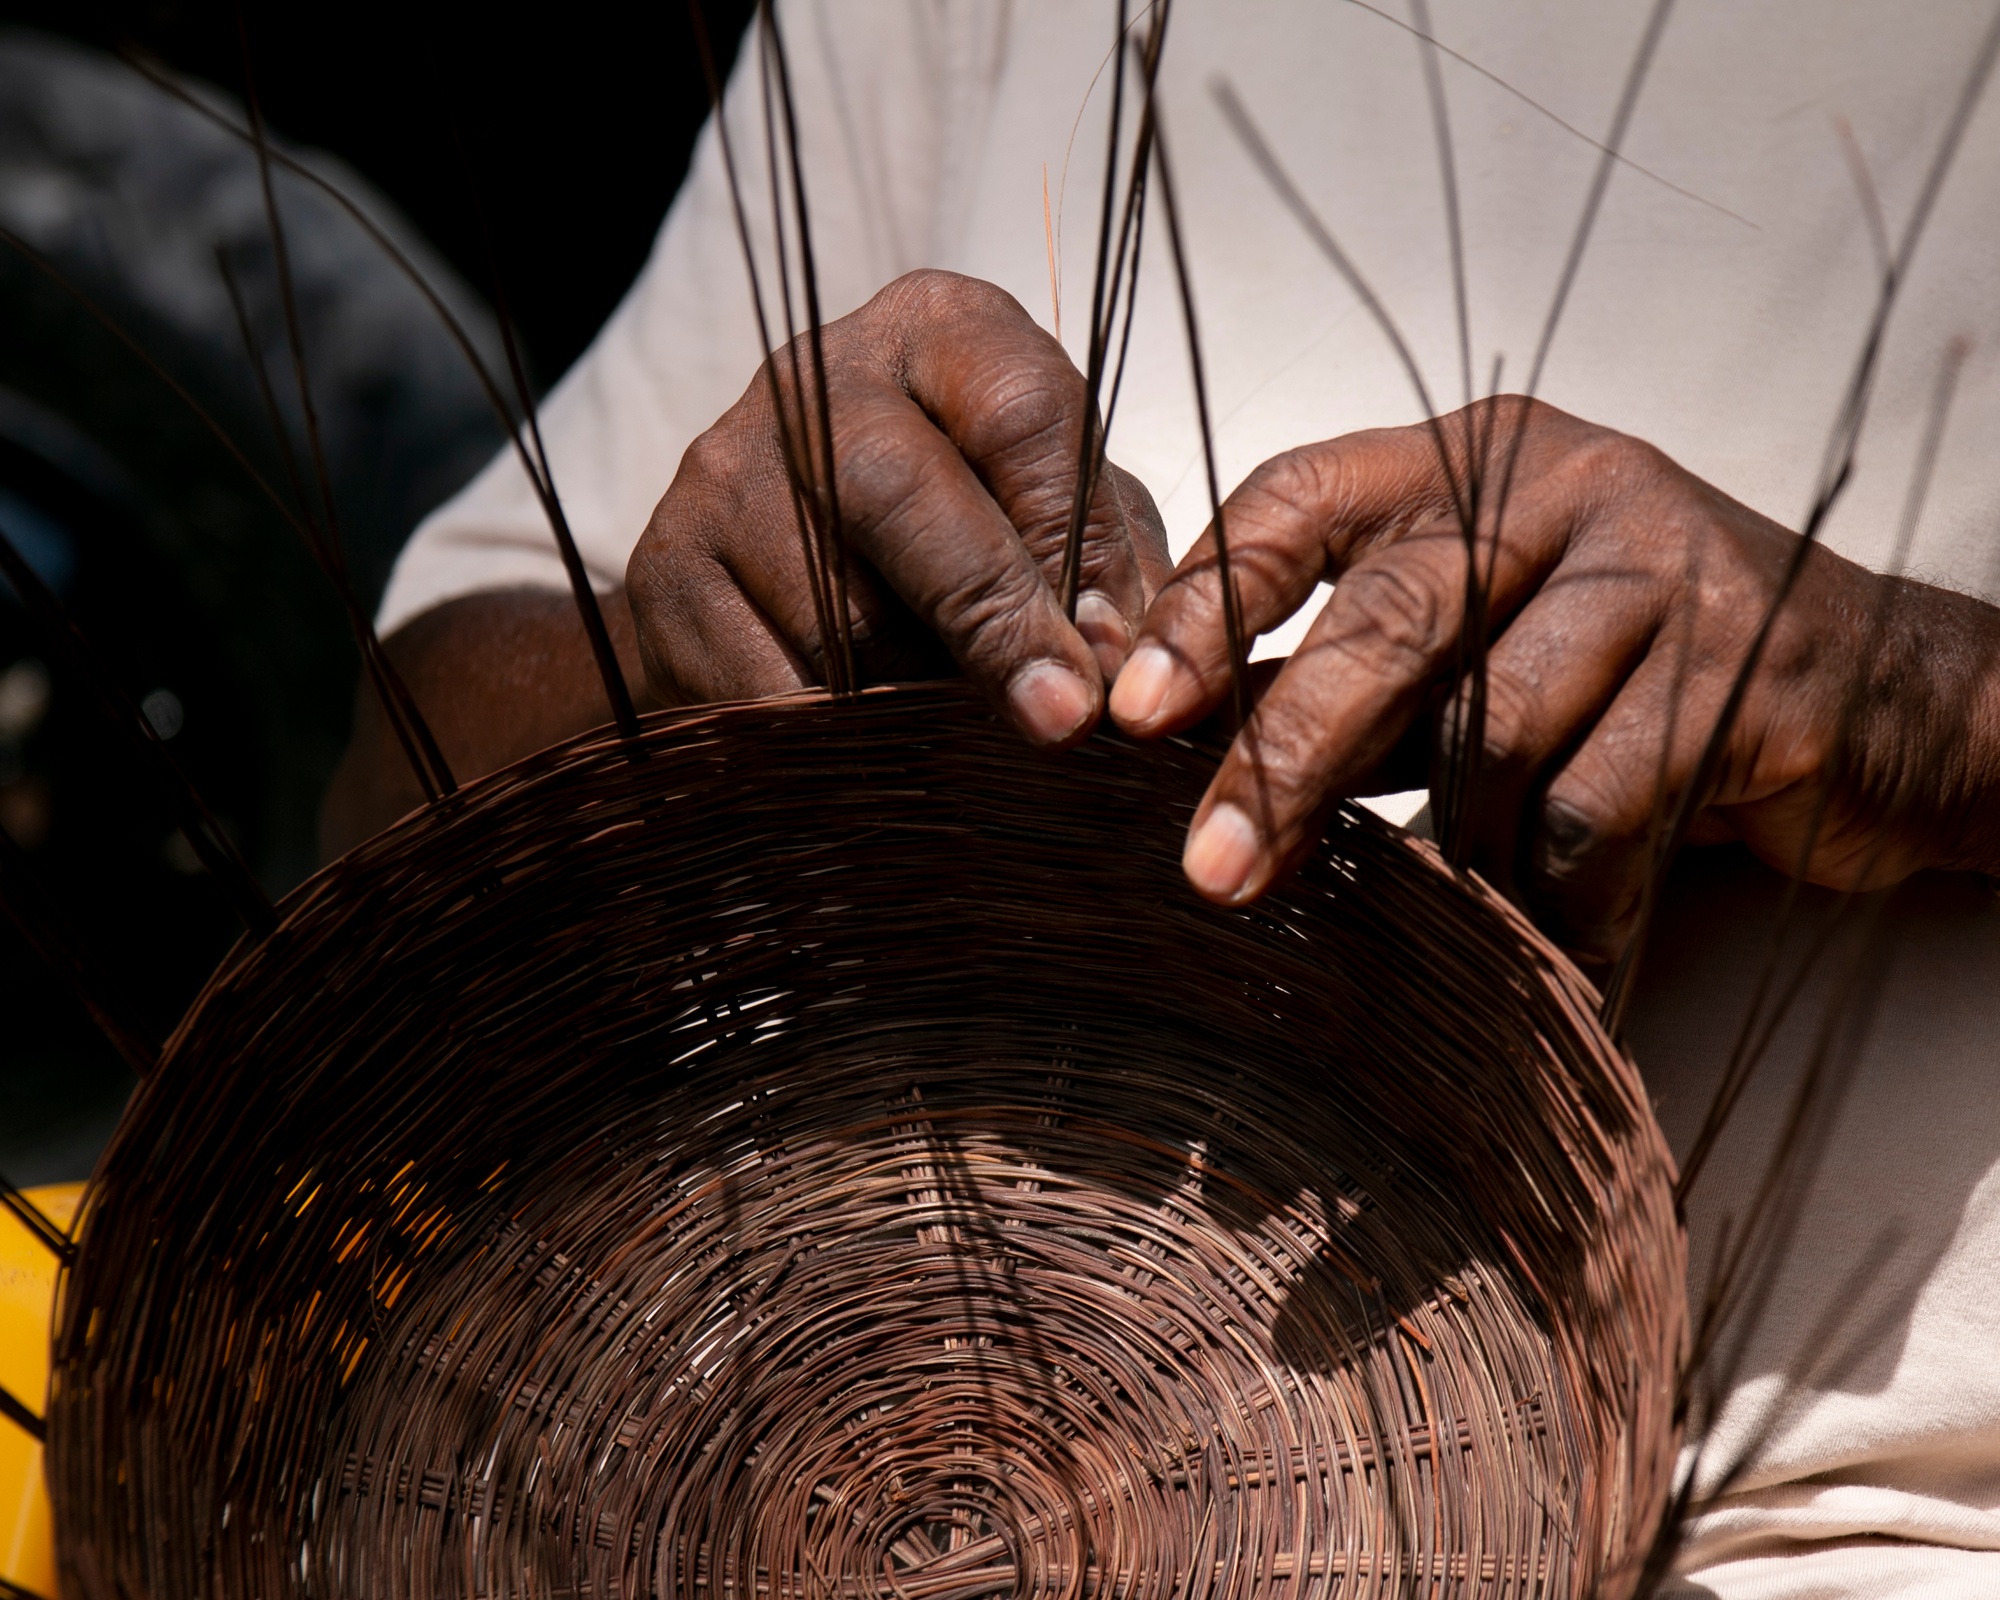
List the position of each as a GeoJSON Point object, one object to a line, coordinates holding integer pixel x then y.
{"type": "Point", "coordinates": [956, 427]}
{"type": "Point", "coordinates": [1625, 596]}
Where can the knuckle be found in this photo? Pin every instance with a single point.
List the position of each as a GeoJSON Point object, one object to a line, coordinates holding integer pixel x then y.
{"type": "Point", "coordinates": [1513, 716]}
{"type": "Point", "coordinates": [1297, 765]}
{"type": "Point", "coordinates": [714, 457]}
{"type": "Point", "coordinates": [1602, 464]}
{"type": "Point", "coordinates": [1368, 486]}
{"type": "Point", "coordinates": [1020, 410]}
{"type": "Point", "coordinates": [895, 479]}
{"type": "Point", "coordinates": [936, 285]}
{"type": "Point", "coordinates": [711, 505]}
{"type": "Point", "coordinates": [1538, 424]}
{"type": "Point", "coordinates": [652, 555]}
{"type": "Point", "coordinates": [926, 281]}
{"type": "Point", "coordinates": [1530, 414]}
{"type": "Point", "coordinates": [1799, 652]}
{"type": "Point", "coordinates": [1396, 612]}
{"type": "Point", "coordinates": [881, 478]}
{"type": "Point", "coordinates": [987, 610]}
{"type": "Point", "coordinates": [931, 293]}
{"type": "Point", "coordinates": [1530, 409]}
{"type": "Point", "coordinates": [674, 544]}
{"type": "Point", "coordinates": [1292, 480]}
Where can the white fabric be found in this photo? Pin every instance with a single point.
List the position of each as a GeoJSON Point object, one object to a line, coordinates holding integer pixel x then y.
{"type": "Point", "coordinates": [1718, 313]}
{"type": "Point", "coordinates": [1873, 1375]}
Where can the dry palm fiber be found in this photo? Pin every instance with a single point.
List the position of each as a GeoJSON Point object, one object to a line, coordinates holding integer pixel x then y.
{"type": "Point", "coordinates": [824, 1150]}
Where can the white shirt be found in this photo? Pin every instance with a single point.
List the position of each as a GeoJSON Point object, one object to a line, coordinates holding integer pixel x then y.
{"type": "Point", "coordinates": [1718, 314]}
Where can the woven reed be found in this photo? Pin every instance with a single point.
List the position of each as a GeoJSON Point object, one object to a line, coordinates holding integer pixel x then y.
{"type": "Point", "coordinates": [833, 1155]}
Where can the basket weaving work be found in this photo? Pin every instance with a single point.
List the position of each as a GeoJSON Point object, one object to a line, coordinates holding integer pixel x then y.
{"type": "Point", "coordinates": [824, 1152]}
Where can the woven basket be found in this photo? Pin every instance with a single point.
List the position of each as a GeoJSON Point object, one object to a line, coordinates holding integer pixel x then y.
{"type": "Point", "coordinates": [826, 1153]}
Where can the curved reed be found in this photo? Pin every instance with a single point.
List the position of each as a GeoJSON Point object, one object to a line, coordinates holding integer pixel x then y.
{"type": "Point", "coordinates": [825, 1151]}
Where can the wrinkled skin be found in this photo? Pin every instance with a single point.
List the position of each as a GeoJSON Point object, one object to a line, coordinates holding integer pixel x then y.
{"type": "Point", "coordinates": [1626, 592]}
{"type": "Point", "coordinates": [1625, 596]}
{"type": "Point", "coordinates": [956, 424]}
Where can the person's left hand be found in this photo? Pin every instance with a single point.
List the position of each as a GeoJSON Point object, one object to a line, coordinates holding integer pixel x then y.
{"type": "Point", "coordinates": [1625, 595]}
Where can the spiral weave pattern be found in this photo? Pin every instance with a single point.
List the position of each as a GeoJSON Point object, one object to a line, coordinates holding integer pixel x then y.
{"type": "Point", "coordinates": [826, 1153]}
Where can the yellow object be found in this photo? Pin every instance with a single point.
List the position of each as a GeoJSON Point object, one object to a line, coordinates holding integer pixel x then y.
{"type": "Point", "coordinates": [27, 1298]}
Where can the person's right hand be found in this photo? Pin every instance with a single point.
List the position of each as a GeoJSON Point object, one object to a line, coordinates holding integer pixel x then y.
{"type": "Point", "coordinates": [956, 427]}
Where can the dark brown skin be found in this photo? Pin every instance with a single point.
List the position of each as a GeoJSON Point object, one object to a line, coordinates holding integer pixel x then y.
{"type": "Point", "coordinates": [1626, 593]}
{"type": "Point", "coordinates": [498, 676]}
{"type": "Point", "coordinates": [1625, 596]}
{"type": "Point", "coordinates": [957, 423]}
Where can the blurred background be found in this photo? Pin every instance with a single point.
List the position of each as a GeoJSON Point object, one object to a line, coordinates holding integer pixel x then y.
{"type": "Point", "coordinates": [524, 154]}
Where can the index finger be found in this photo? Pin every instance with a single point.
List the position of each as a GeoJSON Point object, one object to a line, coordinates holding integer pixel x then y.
{"type": "Point", "coordinates": [1301, 517]}
{"type": "Point", "coordinates": [1008, 397]}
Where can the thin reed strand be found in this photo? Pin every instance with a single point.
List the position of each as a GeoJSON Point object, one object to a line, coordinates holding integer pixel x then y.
{"type": "Point", "coordinates": [433, 775]}
{"type": "Point", "coordinates": [1101, 280]}
{"type": "Point", "coordinates": [1232, 613]}
{"type": "Point", "coordinates": [513, 429]}
{"type": "Point", "coordinates": [1101, 409]}
{"type": "Point", "coordinates": [816, 579]}
{"type": "Point", "coordinates": [1467, 731]}
{"type": "Point", "coordinates": [37, 1222]}
{"type": "Point", "coordinates": [612, 675]}
{"type": "Point", "coordinates": [1760, 1024]}
{"type": "Point", "coordinates": [22, 1416]}
{"type": "Point", "coordinates": [1472, 744]}
{"type": "Point", "coordinates": [796, 433]}
{"type": "Point", "coordinates": [1274, 173]}
{"type": "Point", "coordinates": [389, 688]}
{"type": "Point", "coordinates": [833, 536]}
{"type": "Point", "coordinates": [1542, 110]}
{"type": "Point", "coordinates": [1836, 470]}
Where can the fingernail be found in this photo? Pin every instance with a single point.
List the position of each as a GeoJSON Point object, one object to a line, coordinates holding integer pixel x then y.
{"type": "Point", "coordinates": [1142, 686]}
{"type": "Point", "coordinates": [1050, 702]}
{"type": "Point", "coordinates": [1105, 630]}
{"type": "Point", "coordinates": [1221, 853]}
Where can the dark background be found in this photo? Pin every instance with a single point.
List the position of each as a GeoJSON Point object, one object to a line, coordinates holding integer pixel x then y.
{"type": "Point", "coordinates": [536, 149]}
{"type": "Point", "coordinates": [571, 122]}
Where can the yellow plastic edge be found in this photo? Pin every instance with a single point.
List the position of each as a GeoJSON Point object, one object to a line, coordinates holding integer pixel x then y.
{"type": "Point", "coordinates": [27, 1301]}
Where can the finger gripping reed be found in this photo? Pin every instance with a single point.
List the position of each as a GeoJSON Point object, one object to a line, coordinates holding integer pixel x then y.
{"type": "Point", "coordinates": [825, 1153]}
